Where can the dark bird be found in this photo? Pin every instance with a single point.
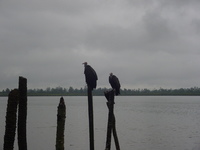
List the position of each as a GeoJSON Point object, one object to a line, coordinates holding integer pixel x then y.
{"type": "Point", "coordinates": [114, 82]}
{"type": "Point", "coordinates": [90, 76]}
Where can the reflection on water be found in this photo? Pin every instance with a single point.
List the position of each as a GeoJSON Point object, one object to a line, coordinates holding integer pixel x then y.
{"type": "Point", "coordinates": [143, 123]}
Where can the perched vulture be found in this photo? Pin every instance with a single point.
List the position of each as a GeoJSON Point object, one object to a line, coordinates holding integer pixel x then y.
{"type": "Point", "coordinates": [90, 76]}
{"type": "Point", "coordinates": [114, 82]}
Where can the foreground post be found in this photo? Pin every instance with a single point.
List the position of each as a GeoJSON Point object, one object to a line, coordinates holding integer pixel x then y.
{"type": "Point", "coordinates": [110, 104]}
{"type": "Point", "coordinates": [60, 125]}
{"type": "Point", "coordinates": [22, 115]}
{"type": "Point", "coordinates": [91, 121]}
{"type": "Point", "coordinates": [11, 118]}
{"type": "Point", "coordinates": [111, 121]}
{"type": "Point", "coordinates": [115, 134]}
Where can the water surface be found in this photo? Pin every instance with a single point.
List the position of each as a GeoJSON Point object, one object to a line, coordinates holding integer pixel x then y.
{"type": "Point", "coordinates": [143, 122]}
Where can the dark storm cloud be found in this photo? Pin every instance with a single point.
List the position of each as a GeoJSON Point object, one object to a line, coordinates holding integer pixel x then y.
{"type": "Point", "coordinates": [146, 43]}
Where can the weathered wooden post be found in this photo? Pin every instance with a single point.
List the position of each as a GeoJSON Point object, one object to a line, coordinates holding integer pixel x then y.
{"type": "Point", "coordinates": [11, 118]}
{"type": "Point", "coordinates": [22, 114]}
{"type": "Point", "coordinates": [110, 105]}
{"type": "Point", "coordinates": [91, 120]}
{"type": "Point", "coordinates": [115, 134]}
{"type": "Point", "coordinates": [111, 121]}
{"type": "Point", "coordinates": [60, 125]}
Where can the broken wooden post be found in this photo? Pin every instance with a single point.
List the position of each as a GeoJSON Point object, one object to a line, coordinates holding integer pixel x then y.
{"type": "Point", "coordinates": [11, 119]}
{"type": "Point", "coordinates": [115, 134]}
{"type": "Point", "coordinates": [60, 125]}
{"type": "Point", "coordinates": [110, 104]}
{"type": "Point", "coordinates": [22, 114]}
{"type": "Point", "coordinates": [111, 127]}
{"type": "Point", "coordinates": [91, 120]}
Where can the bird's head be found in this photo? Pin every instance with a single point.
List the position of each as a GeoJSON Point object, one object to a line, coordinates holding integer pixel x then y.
{"type": "Point", "coordinates": [111, 74]}
{"type": "Point", "coordinates": [85, 63]}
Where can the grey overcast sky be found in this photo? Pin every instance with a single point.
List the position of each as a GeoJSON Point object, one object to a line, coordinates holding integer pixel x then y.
{"type": "Point", "coordinates": [146, 43]}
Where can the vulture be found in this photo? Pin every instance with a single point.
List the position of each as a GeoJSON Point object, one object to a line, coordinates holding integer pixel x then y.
{"type": "Point", "coordinates": [90, 76]}
{"type": "Point", "coordinates": [114, 82]}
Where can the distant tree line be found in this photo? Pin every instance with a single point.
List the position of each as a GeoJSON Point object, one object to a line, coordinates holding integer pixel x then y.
{"type": "Point", "coordinates": [60, 91]}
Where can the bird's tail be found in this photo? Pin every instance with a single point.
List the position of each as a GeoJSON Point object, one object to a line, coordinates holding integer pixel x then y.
{"type": "Point", "coordinates": [117, 92]}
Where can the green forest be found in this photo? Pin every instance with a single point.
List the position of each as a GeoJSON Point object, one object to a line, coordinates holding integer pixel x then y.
{"type": "Point", "coordinates": [60, 91]}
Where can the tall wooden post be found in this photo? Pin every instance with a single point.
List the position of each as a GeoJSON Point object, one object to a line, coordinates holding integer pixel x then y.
{"type": "Point", "coordinates": [11, 118]}
{"type": "Point", "coordinates": [22, 114]}
{"type": "Point", "coordinates": [115, 134]}
{"type": "Point", "coordinates": [110, 104]}
{"type": "Point", "coordinates": [111, 127]}
{"type": "Point", "coordinates": [91, 121]}
{"type": "Point", "coordinates": [60, 125]}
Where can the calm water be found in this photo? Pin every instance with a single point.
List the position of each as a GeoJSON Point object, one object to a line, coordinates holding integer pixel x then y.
{"type": "Point", "coordinates": [143, 123]}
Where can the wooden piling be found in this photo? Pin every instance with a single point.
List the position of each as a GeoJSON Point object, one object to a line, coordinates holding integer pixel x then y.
{"type": "Point", "coordinates": [22, 114]}
{"type": "Point", "coordinates": [91, 120]}
{"type": "Point", "coordinates": [111, 127]}
{"type": "Point", "coordinates": [11, 118]}
{"type": "Point", "coordinates": [115, 134]}
{"type": "Point", "coordinates": [110, 105]}
{"type": "Point", "coordinates": [61, 115]}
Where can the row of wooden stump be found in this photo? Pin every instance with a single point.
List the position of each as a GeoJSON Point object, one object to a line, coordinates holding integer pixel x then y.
{"type": "Point", "coordinates": [17, 100]}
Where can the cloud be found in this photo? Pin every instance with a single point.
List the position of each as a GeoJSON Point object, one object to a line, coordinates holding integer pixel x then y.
{"type": "Point", "coordinates": [147, 43]}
